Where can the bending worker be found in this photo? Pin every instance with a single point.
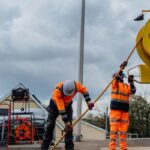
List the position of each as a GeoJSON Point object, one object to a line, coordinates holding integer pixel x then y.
{"type": "Point", "coordinates": [119, 107]}
{"type": "Point", "coordinates": [61, 103]}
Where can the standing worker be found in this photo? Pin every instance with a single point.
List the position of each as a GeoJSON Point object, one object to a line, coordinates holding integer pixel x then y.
{"type": "Point", "coordinates": [61, 103]}
{"type": "Point", "coordinates": [119, 107]}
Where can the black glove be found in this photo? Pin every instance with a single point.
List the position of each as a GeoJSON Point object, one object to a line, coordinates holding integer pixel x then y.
{"type": "Point", "coordinates": [131, 79]}
{"type": "Point", "coordinates": [119, 77]}
{"type": "Point", "coordinates": [90, 105]}
{"type": "Point", "coordinates": [124, 64]}
{"type": "Point", "coordinates": [68, 127]}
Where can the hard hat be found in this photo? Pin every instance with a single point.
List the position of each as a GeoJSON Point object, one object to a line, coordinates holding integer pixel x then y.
{"type": "Point", "coordinates": [123, 74]}
{"type": "Point", "coordinates": [69, 87]}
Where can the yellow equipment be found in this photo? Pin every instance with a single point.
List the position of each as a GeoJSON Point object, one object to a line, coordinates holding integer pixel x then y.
{"type": "Point", "coordinates": [143, 76]}
{"type": "Point", "coordinates": [143, 48]}
{"type": "Point", "coordinates": [144, 71]}
{"type": "Point", "coordinates": [146, 38]}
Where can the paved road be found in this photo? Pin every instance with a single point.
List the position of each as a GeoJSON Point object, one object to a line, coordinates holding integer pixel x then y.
{"type": "Point", "coordinates": [131, 148]}
{"type": "Point", "coordinates": [134, 144]}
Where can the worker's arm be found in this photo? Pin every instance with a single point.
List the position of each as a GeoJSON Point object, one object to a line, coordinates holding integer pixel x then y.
{"type": "Point", "coordinates": [133, 89]}
{"type": "Point", "coordinates": [58, 98]}
{"type": "Point", "coordinates": [131, 82]}
{"type": "Point", "coordinates": [83, 90]}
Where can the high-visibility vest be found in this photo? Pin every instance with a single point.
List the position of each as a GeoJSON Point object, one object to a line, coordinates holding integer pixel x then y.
{"type": "Point", "coordinates": [120, 96]}
{"type": "Point", "coordinates": [62, 100]}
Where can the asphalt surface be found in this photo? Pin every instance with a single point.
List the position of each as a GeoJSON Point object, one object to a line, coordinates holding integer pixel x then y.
{"type": "Point", "coordinates": [133, 144]}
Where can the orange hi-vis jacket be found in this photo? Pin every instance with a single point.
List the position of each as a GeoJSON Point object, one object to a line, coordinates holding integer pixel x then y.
{"type": "Point", "coordinates": [63, 101]}
{"type": "Point", "coordinates": [120, 96]}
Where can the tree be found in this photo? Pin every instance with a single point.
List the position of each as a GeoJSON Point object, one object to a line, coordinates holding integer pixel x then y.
{"type": "Point", "coordinates": [139, 116]}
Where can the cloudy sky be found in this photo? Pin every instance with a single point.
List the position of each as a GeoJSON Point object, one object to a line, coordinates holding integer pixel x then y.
{"type": "Point", "coordinates": [39, 43]}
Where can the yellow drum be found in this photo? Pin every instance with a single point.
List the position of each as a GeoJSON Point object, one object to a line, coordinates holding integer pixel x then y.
{"type": "Point", "coordinates": [146, 38]}
{"type": "Point", "coordinates": [143, 48]}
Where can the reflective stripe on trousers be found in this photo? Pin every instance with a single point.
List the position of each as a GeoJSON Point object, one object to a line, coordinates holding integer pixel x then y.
{"type": "Point", "coordinates": [113, 120]}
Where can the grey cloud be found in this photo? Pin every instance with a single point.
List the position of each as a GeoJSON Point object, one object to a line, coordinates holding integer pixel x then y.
{"type": "Point", "coordinates": [40, 45]}
{"type": "Point", "coordinates": [7, 15]}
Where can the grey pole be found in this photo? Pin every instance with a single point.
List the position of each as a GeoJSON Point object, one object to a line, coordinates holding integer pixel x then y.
{"type": "Point", "coordinates": [81, 61]}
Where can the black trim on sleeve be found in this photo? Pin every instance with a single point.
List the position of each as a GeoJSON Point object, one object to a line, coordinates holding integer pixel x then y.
{"type": "Point", "coordinates": [133, 88]}
{"type": "Point", "coordinates": [64, 116]}
{"type": "Point", "coordinates": [87, 97]}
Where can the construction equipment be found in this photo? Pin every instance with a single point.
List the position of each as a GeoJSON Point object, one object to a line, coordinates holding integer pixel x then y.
{"type": "Point", "coordinates": [22, 122]}
{"type": "Point", "coordinates": [143, 50]}
{"type": "Point", "coordinates": [24, 130]}
{"type": "Point", "coordinates": [144, 74]}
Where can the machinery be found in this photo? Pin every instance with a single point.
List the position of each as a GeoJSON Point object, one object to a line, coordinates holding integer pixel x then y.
{"type": "Point", "coordinates": [143, 50]}
{"type": "Point", "coordinates": [22, 129]}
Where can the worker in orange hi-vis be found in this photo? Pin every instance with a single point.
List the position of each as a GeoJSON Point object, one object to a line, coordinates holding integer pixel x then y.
{"type": "Point", "coordinates": [61, 103]}
{"type": "Point", "coordinates": [119, 107]}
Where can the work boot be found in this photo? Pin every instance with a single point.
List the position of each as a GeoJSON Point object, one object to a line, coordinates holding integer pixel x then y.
{"type": "Point", "coordinates": [53, 143]}
{"type": "Point", "coordinates": [43, 147]}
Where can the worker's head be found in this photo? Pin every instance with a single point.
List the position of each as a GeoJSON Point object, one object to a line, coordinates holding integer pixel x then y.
{"type": "Point", "coordinates": [68, 87]}
{"type": "Point", "coordinates": [120, 76]}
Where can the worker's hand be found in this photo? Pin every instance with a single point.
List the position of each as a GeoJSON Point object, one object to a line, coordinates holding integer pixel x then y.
{"type": "Point", "coordinates": [90, 104]}
{"type": "Point", "coordinates": [124, 64]}
{"type": "Point", "coordinates": [131, 79]}
{"type": "Point", "coordinates": [118, 77]}
{"type": "Point", "coordinates": [68, 127]}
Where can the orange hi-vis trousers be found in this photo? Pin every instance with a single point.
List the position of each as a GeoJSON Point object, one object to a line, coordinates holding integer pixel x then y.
{"type": "Point", "coordinates": [119, 123]}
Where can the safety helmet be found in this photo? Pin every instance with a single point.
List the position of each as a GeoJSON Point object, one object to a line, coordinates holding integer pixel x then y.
{"type": "Point", "coordinates": [123, 75]}
{"type": "Point", "coordinates": [68, 87]}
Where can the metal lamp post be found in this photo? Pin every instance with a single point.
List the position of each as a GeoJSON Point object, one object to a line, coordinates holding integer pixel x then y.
{"type": "Point", "coordinates": [81, 61]}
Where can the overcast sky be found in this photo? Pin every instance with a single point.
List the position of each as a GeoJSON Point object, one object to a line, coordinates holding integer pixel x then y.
{"type": "Point", "coordinates": [39, 43]}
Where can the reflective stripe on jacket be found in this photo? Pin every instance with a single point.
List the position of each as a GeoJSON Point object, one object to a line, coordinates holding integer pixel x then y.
{"type": "Point", "coordinates": [120, 96]}
{"type": "Point", "coordinates": [62, 100]}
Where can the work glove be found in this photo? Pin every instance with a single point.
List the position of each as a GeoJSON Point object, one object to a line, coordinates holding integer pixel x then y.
{"type": "Point", "coordinates": [131, 79]}
{"type": "Point", "coordinates": [120, 76]}
{"type": "Point", "coordinates": [68, 127]}
{"type": "Point", "coordinates": [124, 64]}
{"type": "Point", "coordinates": [90, 105]}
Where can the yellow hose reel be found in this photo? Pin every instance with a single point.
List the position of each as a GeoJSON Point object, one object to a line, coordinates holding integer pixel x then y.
{"type": "Point", "coordinates": [144, 74]}
{"type": "Point", "coordinates": [143, 50]}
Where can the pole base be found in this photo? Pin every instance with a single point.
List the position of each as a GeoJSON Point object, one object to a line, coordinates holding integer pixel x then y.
{"type": "Point", "coordinates": [77, 138]}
